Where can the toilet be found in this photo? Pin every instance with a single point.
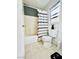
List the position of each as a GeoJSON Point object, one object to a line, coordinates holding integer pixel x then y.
{"type": "Point", "coordinates": [47, 41]}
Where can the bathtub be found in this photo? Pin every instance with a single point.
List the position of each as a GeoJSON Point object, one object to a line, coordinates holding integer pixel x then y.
{"type": "Point", "coordinates": [30, 39]}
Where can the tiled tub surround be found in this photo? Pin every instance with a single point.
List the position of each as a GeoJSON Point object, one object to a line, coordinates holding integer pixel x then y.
{"type": "Point", "coordinates": [38, 51]}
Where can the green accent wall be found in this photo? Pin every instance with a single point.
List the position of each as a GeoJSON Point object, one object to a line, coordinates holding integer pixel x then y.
{"type": "Point", "coordinates": [30, 11]}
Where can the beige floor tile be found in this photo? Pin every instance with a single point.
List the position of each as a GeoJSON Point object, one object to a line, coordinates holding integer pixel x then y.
{"type": "Point", "coordinates": [37, 51]}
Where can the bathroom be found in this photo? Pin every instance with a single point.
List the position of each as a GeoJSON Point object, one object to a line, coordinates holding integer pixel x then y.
{"type": "Point", "coordinates": [40, 29]}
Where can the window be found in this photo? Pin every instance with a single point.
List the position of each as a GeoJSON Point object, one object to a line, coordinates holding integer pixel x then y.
{"type": "Point", "coordinates": [42, 24]}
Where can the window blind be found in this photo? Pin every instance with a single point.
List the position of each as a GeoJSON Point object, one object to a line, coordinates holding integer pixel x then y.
{"type": "Point", "coordinates": [42, 24]}
{"type": "Point", "coordinates": [55, 11]}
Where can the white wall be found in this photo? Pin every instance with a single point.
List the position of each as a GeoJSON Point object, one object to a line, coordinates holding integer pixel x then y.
{"type": "Point", "coordinates": [57, 33]}
{"type": "Point", "coordinates": [50, 4]}
{"type": "Point", "coordinates": [20, 30]}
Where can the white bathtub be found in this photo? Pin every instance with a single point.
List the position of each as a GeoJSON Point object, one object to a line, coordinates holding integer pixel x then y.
{"type": "Point", "coordinates": [30, 39]}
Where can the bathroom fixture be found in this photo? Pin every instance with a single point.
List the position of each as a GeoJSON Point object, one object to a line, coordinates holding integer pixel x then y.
{"type": "Point", "coordinates": [30, 39]}
{"type": "Point", "coordinates": [47, 41]}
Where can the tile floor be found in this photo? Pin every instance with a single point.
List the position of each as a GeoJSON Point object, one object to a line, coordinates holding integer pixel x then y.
{"type": "Point", "coordinates": [38, 51]}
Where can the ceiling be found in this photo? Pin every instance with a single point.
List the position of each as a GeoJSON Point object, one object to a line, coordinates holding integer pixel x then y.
{"type": "Point", "coordinates": [40, 4]}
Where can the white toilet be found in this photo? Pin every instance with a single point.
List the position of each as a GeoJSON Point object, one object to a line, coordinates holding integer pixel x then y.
{"type": "Point", "coordinates": [47, 41]}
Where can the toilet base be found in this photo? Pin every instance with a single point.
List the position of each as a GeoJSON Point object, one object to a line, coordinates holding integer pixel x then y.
{"type": "Point", "coordinates": [47, 44]}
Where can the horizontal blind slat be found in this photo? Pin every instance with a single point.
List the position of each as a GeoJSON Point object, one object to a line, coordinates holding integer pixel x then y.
{"type": "Point", "coordinates": [42, 24]}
